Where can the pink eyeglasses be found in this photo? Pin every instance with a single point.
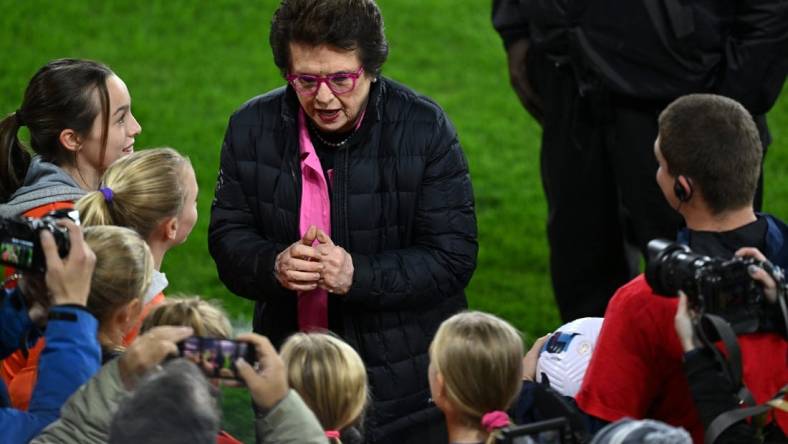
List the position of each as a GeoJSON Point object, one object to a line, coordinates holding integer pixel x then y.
{"type": "Point", "coordinates": [339, 83]}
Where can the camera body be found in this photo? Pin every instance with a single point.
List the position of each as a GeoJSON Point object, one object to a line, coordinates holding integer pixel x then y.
{"type": "Point", "coordinates": [20, 244]}
{"type": "Point", "coordinates": [718, 286]}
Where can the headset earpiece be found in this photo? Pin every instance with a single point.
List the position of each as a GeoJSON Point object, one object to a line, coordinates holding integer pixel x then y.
{"type": "Point", "coordinates": [682, 194]}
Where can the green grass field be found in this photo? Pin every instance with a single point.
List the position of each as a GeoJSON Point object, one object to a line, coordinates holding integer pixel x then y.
{"type": "Point", "coordinates": [190, 64]}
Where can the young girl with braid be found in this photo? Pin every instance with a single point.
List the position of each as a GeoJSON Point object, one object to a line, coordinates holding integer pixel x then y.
{"type": "Point", "coordinates": [331, 379]}
{"type": "Point", "coordinates": [475, 374]}
{"type": "Point", "coordinates": [153, 192]}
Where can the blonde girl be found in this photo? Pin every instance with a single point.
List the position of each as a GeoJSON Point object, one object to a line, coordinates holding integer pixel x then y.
{"type": "Point", "coordinates": [475, 374]}
{"type": "Point", "coordinates": [205, 317]}
{"type": "Point", "coordinates": [330, 377]}
{"type": "Point", "coordinates": [124, 267]}
{"type": "Point", "coordinates": [153, 192]}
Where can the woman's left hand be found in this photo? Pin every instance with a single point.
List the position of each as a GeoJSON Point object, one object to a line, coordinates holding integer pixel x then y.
{"type": "Point", "coordinates": [337, 274]}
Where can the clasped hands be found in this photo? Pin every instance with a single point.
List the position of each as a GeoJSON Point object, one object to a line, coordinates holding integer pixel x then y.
{"type": "Point", "coordinates": [304, 265]}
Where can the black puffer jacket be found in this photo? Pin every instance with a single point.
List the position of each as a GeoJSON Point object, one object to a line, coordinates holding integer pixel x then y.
{"type": "Point", "coordinates": [401, 205]}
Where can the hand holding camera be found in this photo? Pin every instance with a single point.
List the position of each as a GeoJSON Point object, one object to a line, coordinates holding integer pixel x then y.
{"type": "Point", "coordinates": [741, 290]}
{"type": "Point", "coordinates": [68, 280]}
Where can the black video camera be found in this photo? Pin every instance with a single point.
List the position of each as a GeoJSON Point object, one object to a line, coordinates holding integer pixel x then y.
{"type": "Point", "coordinates": [20, 245]}
{"type": "Point", "coordinates": [717, 286]}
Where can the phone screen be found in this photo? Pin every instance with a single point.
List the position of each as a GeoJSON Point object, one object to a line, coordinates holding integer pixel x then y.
{"type": "Point", "coordinates": [216, 357]}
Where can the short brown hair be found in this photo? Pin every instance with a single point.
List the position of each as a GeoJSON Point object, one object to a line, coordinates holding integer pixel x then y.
{"type": "Point", "coordinates": [345, 24]}
{"type": "Point", "coordinates": [713, 141]}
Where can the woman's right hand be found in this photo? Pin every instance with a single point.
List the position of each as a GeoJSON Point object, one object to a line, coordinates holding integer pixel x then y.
{"type": "Point", "coordinates": [68, 279]}
{"type": "Point", "coordinates": [298, 267]}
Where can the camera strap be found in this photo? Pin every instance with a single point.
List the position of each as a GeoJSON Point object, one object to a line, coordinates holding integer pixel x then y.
{"type": "Point", "coordinates": [731, 417]}
{"type": "Point", "coordinates": [732, 367]}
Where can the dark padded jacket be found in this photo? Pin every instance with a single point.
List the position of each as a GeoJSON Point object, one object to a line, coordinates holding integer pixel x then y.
{"type": "Point", "coordinates": [661, 49]}
{"type": "Point", "coordinates": [401, 205]}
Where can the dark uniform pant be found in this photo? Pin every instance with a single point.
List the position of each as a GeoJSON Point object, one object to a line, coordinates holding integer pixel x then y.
{"type": "Point", "coordinates": [598, 173]}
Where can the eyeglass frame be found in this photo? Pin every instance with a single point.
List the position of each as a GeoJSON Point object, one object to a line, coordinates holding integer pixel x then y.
{"type": "Point", "coordinates": [291, 78]}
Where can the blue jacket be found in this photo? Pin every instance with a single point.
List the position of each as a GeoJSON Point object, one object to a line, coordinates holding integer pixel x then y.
{"type": "Point", "coordinates": [72, 355]}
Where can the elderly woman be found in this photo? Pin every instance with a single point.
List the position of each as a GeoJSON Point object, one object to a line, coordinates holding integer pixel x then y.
{"type": "Point", "coordinates": [344, 202]}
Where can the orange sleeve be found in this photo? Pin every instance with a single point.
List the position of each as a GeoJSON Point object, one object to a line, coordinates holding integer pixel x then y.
{"type": "Point", "coordinates": [20, 374]}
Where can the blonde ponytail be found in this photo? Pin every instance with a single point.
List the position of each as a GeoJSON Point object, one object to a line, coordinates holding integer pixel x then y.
{"type": "Point", "coordinates": [480, 359]}
{"type": "Point", "coordinates": [138, 191]}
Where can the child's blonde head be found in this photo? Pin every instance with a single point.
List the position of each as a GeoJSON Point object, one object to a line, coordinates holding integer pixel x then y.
{"type": "Point", "coordinates": [124, 267]}
{"type": "Point", "coordinates": [205, 317]}
{"type": "Point", "coordinates": [145, 188]}
{"type": "Point", "coordinates": [478, 356]}
{"type": "Point", "coordinates": [330, 377]}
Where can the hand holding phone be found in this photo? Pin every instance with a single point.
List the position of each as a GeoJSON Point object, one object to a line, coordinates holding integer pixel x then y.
{"type": "Point", "coordinates": [216, 357]}
{"type": "Point", "coordinates": [267, 381]}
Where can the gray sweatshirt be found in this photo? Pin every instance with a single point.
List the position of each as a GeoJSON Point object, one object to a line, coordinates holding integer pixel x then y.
{"type": "Point", "coordinates": [44, 183]}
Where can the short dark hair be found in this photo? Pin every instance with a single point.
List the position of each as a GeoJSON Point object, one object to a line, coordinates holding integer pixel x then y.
{"type": "Point", "coordinates": [713, 141]}
{"type": "Point", "coordinates": [175, 405]}
{"type": "Point", "coordinates": [345, 24]}
{"type": "Point", "coordinates": [59, 96]}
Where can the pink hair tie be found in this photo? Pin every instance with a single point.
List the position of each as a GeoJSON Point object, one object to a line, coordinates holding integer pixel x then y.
{"type": "Point", "coordinates": [495, 420]}
{"type": "Point", "coordinates": [332, 434]}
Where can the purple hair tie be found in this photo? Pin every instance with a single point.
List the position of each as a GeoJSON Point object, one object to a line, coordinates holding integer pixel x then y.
{"type": "Point", "coordinates": [107, 192]}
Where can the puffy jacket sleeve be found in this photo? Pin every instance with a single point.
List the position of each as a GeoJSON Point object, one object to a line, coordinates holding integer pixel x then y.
{"type": "Point", "coordinates": [244, 258]}
{"type": "Point", "coordinates": [290, 421]}
{"type": "Point", "coordinates": [510, 22]}
{"type": "Point", "coordinates": [87, 415]}
{"type": "Point", "coordinates": [442, 257]}
{"type": "Point", "coordinates": [71, 356]}
{"type": "Point", "coordinates": [756, 54]}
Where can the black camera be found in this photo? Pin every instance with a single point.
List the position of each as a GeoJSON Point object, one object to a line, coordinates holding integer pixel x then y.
{"type": "Point", "coordinates": [20, 244]}
{"type": "Point", "coordinates": [718, 286]}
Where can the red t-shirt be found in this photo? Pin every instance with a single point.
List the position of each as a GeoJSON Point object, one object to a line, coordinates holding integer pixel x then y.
{"type": "Point", "coordinates": [637, 371]}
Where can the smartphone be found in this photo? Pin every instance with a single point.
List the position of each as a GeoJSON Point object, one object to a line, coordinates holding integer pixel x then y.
{"type": "Point", "coordinates": [216, 357]}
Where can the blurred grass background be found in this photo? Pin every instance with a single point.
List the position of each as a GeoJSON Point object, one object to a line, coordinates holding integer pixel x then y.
{"type": "Point", "coordinates": [190, 64]}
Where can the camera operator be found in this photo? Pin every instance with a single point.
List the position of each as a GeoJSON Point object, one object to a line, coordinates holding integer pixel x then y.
{"type": "Point", "coordinates": [712, 392]}
{"type": "Point", "coordinates": [709, 158]}
{"type": "Point", "coordinates": [126, 401]}
{"type": "Point", "coordinates": [72, 353]}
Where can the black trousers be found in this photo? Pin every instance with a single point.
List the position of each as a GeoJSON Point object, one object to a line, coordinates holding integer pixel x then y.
{"type": "Point", "coordinates": [598, 174]}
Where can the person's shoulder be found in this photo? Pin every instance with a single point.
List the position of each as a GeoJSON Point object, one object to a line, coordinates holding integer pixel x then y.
{"type": "Point", "coordinates": [403, 103]}
{"type": "Point", "coordinates": [253, 111]}
{"type": "Point", "coordinates": [636, 298]}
